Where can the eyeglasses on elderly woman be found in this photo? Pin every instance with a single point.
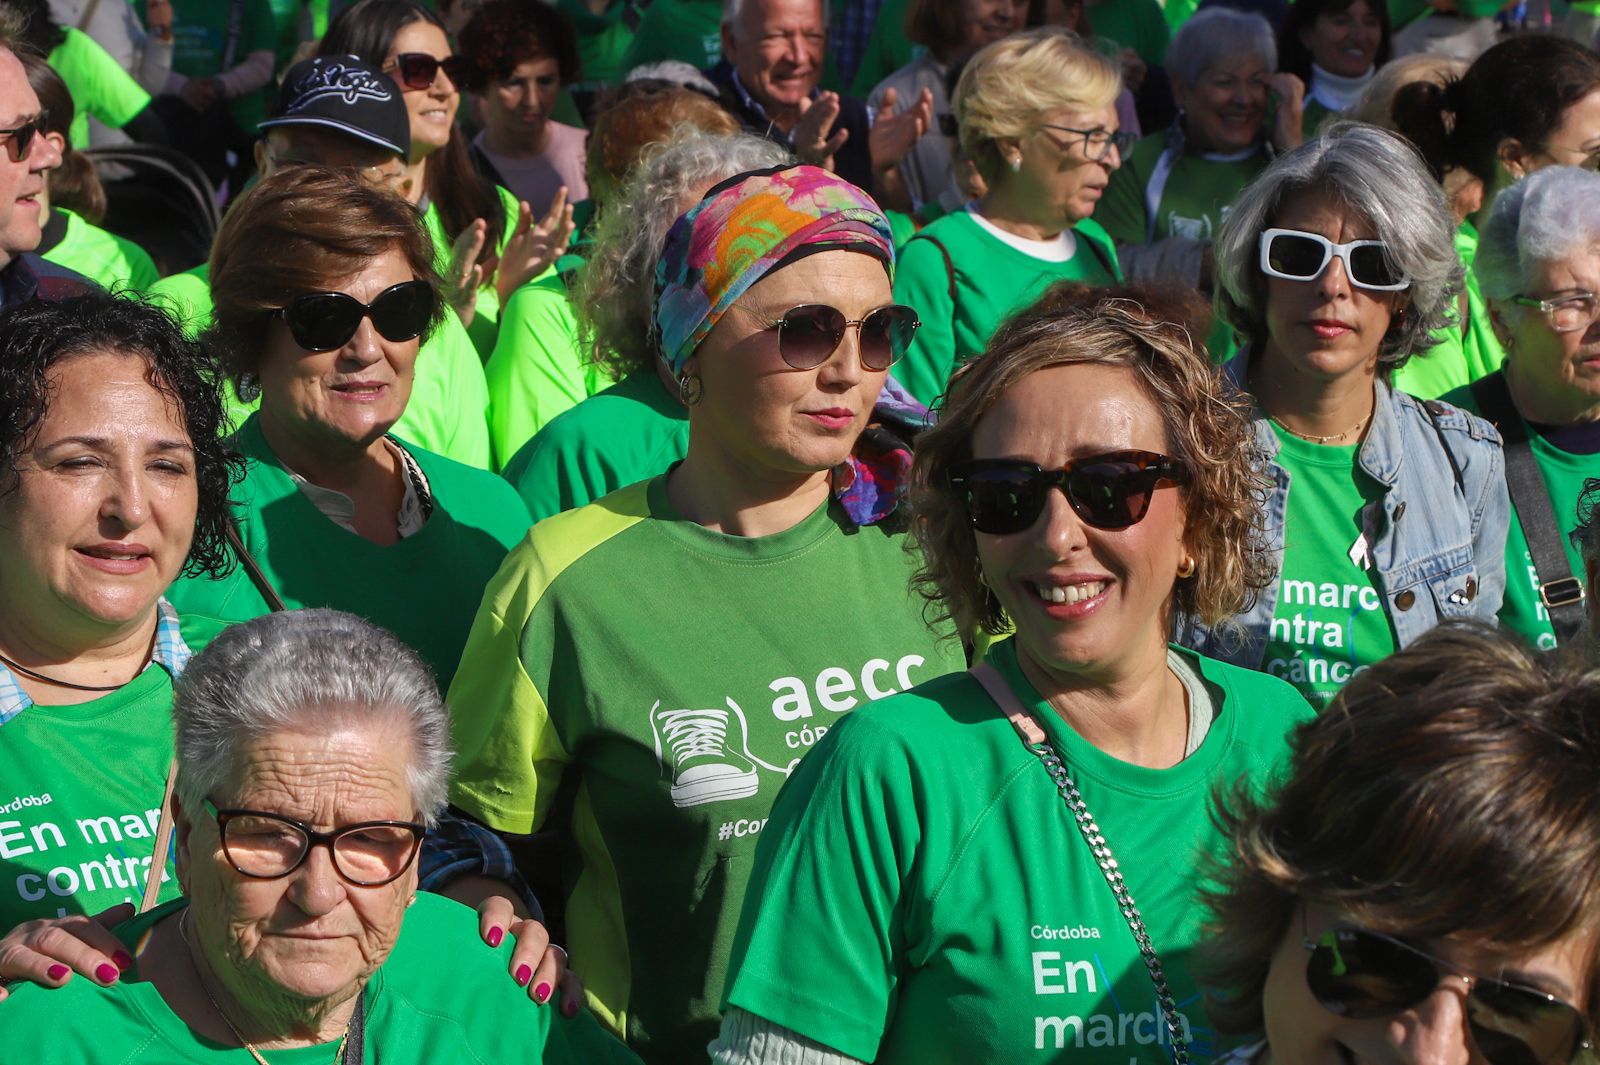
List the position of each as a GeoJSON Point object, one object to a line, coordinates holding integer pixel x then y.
{"type": "Point", "coordinates": [268, 846]}
{"type": "Point", "coordinates": [1570, 313]}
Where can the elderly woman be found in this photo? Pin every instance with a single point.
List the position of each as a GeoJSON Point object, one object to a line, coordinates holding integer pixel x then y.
{"type": "Point", "coordinates": [312, 756]}
{"type": "Point", "coordinates": [1387, 515]}
{"type": "Point", "coordinates": [324, 290]}
{"type": "Point", "coordinates": [777, 532]}
{"type": "Point", "coordinates": [1042, 908]}
{"type": "Point", "coordinates": [1335, 48]}
{"type": "Point", "coordinates": [115, 480]}
{"type": "Point", "coordinates": [1037, 117]}
{"type": "Point", "coordinates": [1425, 885]}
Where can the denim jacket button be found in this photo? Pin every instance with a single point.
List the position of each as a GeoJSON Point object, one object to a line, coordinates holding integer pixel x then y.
{"type": "Point", "coordinates": [1405, 599]}
{"type": "Point", "coordinates": [1472, 588]}
{"type": "Point", "coordinates": [1400, 510]}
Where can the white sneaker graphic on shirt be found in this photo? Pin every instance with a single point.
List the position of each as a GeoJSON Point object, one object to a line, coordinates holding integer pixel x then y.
{"type": "Point", "coordinates": [709, 753]}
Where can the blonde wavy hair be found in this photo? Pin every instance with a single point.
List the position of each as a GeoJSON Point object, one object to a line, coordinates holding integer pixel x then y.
{"type": "Point", "coordinates": [1151, 332]}
{"type": "Point", "coordinates": [1007, 88]}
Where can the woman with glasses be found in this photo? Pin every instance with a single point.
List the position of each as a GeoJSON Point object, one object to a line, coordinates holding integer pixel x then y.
{"type": "Point", "coordinates": [324, 290]}
{"type": "Point", "coordinates": [1387, 514]}
{"type": "Point", "coordinates": [999, 865]}
{"type": "Point", "coordinates": [1037, 117]}
{"type": "Point", "coordinates": [646, 671]}
{"type": "Point", "coordinates": [312, 755]}
{"type": "Point", "coordinates": [1425, 884]}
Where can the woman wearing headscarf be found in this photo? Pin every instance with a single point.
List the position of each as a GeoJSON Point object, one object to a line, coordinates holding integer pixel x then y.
{"type": "Point", "coordinates": [646, 671]}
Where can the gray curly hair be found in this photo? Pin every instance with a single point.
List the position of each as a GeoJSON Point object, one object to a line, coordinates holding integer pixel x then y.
{"type": "Point", "coordinates": [1381, 177]}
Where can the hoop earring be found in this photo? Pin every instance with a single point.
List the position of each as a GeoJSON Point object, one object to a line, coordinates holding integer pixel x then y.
{"type": "Point", "coordinates": [249, 387]}
{"type": "Point", "coordinates": [690, 390]}
{"type": "Point", "coordinates": [1186, 568]}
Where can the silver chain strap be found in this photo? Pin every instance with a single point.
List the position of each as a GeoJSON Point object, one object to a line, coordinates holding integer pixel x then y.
{"type": "Point", "coordinates": [1057, 768]}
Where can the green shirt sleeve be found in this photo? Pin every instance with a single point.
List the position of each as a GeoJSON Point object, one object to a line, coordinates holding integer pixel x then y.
{"type": "Point", "coordinates": [923, 280]}
{"type": "Point", "coordinates": [1122, 211]}
{"type": "Point", "coordinates": [448, 410]}
{"type": "Point", "coordinates": [887, 50]}
{"type": "Point", "coordinates": [99, 85]}
{"type": "Point", "coordinates": [536, 370]}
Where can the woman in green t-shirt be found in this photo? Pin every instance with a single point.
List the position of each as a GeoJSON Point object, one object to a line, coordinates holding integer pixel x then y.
{"type": "Point", "coordinates": [940, 885]}
{"type": "Point", "coordinates": [1335, 48]}
{"type": "Point", "coordinates": [1425, 884]}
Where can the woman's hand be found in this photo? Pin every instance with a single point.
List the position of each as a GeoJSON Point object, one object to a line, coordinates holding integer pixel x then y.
{"type": "Point", "coordinates": [1288, 131]}
{"type": "Point", "coordinates": [533, 249]}
{"type": "Point", "coordinates": [48, 951]}
{"type": "Point", "coordinates": [465, 275]}
{"type": "Point", "coordinates": [536, 963]}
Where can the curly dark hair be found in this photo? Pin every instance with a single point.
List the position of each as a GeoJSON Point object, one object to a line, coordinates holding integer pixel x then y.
{"type": "Point", "coordinates": [504, 33]}
{"type": "Point", "coordinates": [35, 336]}
{"type": "Point", "coordinates": [35, 26]}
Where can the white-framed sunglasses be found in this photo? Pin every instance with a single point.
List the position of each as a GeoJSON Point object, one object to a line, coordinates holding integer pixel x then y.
{"type": "Point", "coordinates": [1297, 256]}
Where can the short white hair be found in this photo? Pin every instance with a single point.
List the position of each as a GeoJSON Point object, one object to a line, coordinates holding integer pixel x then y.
{"type": "Point", "coordinates": [732, 8]}
{"type": "Point", "coordinates": [1542, 219]}
{"type": "Point", "coordinates": [1212, 35]}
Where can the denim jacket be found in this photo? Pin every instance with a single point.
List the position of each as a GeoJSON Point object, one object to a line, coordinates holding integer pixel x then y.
{"type": "Point", "coordinates": [1437, 541]}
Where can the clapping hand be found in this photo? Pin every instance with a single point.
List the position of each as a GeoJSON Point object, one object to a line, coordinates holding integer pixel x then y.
{"type": "Point", "coordinates": [896, 132]}
{"type": "Point", "coordinates": [815, 140]}
{"type": "Point", "coordinates": [533, 249]}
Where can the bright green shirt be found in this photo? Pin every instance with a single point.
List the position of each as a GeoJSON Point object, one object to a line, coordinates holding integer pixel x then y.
{"type": "Point", "coordinates": [887, 50]}
{"type": "Point", "coordinates": [486, 319]}
{"type": "Point", "coordinates": [1404, 12]}
{"type": "Point", "coordinates": [99, 85]}
{"type": "Point", "coordinates": [199, 41]}
{"type": "Point", "coordinates": [630, 432]}
{"type": "Point", "coordinates": [603, 40]}
{"type": "Point", "coordinates": [923, 896]}
{"type": "Point", "coordinates": [686, 30]}
{"type": "Point", "coordinates": [1192, 192]}
{"type": "Point", "coordinates": [1331, 620]}
{"type": "Point", "coordinates": [1463, 356]}
{"type": "Point", "coordinates": [1177, 12]}
{"type": "Point", "coordinates": [424, 588]}
{"type": "Point", "coordinates": [1137, 24]}
{"type": "Point", "coordinates": [415, 1015]}
{"type": "Point", "coordinates": [667, 679]}
{"type": "Point", "coordinates": [992, 280]}
{"type": "Point", "coordinates": [110, 261]}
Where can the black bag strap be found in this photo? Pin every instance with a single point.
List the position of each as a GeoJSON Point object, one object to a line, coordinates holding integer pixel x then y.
{"type": "Point", "coordinates": [230, 45]}
{"type": "Point", "coordinates": [253, 571]}
{"type": "Point", "coordinates": [1559, 591]}
{"type": "Point", "coordinates": [355, 1039]}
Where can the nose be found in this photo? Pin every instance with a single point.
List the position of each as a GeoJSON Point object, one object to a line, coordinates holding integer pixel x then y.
{"type": "Point", "coordinates": [43, 154]}
{"type": "Point", "coordinates": [1061, 528]}
{"type": "Point", "coordinates": [316, 887]}
{"type": "Point", "coordinates": [126, 503]}
{"type": "Point", "coordinates": [844, 369]}
{"type": "Point", "coordinates": [795, 52]}
{"type": "Point", "coordinates": [1334, 283]}
{"type": "Point", "coordinates": [1435, 1032]}
{"type": "Point", "coordinates": [365, 347]}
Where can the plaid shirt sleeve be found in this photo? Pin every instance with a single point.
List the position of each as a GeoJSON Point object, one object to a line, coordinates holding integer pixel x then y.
{"type": "Point", "coordinates": [457, 846]}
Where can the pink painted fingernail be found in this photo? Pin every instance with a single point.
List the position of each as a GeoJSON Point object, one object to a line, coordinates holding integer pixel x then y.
{"type": "Point", "coordinates": [122, 960]}
{"type": "Point", "coordinates": [56, 972]}
{"type": "Point", "coordinates": [106, 974]}
{"type": "Point", "coordinates": [495, 936]}
{"type": "Point", "coordinates": [541, 994]}
{"type": "Point", "coordinates": [524, 974]}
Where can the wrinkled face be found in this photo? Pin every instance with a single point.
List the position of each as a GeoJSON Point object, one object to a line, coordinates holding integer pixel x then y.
{"type": "Point", "coordinates": [348, 397]}
{"type": "Point", "coordinates": [1057, 173]}
{"type": "Point", "coordinates": [1557, 361]}
{"type": "Point", "coordinates": [20, 182]}
{"type": "Point", "coordinates": [1117, 581]}
{"type": "Point", "coordinates": [1576, 142]}
{"type": "Point", "coordinates": [1328, 327]}
{"type": "Point", "coordinates": [1431, 1032]}
{"type": "Point", "coordinates": [764, 414]}
{"type": "Point", "coordinates": [986, 21]}
{"type": "Point", "coordinates": [432, 110]}
{"type": "Point", "coordinates": [1345, 42]}
{"type": "Point", "coordinates": [312, 934]}
{"type": "Point", "coordinates": [516, 109]}
{"type": "Point", "coordinates": [777, 46]}
{"type": "Point", "coordinates": [102, 515]}
{"type": "Point", "coordinates": [1226, 108]}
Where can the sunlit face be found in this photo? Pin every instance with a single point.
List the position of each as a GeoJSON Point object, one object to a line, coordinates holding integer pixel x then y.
{"type": "Point", "coordinates": [986, 21]}
{"type": "Point", "coordinates": [1576, 142]}
{"type": "Point", "coordinates": [1227, 106]}
{"type": "Point", "coordinates": [1127, 575]}
{"type": "Point", "coordinates": [21, 182]}
{"type": "Point", "coordinates": [347, 398]}
{"type": "Point", "coordinates": [1345, 42]}
{"type": "Point", "coordinates": [1433, 1032]}
{"type": "Point", "coordinates": [432, 110]}
{"type": "Point", "coordinates": [102, 513]}
{"type": "Point", "coordinates": [1556, 362]}
{"type": "Point", "coordinates": [310, 935]}
{"type": "Point", "coordinates": [1057, 173]}
{"type": "Point", "coordinates": [763, 413]}
{"type": "Point", "coordinates": [1326, 328]}
{"type": "Point", "coordinates": [516, 109]}
{"type": "Point", "coordinates": [777, 47]}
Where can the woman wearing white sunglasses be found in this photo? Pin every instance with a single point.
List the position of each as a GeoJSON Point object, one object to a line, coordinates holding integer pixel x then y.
{"type": "Point", "coordinates": [1388, 514]}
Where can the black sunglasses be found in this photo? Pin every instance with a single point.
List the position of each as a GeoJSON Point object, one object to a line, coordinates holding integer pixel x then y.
{"type": "Point", "coordinates": [1359, 974]}
{"type": "Point", "coordinates": [417, 70]}
{"type": "Point", "coordinates": [322, 321]}
{"type": "Point", "coordinates": [19, 139]}
{"type": "Point", "coordinates": [1110, 491]}
{"type": "Point", "coordinates": [808, 335]}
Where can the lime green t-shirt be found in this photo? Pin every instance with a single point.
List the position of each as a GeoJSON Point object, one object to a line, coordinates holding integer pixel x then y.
{"type": "Point", "coordinates": [923, 896]}
{"type": "Point", "coordinates": [424, 588]}
{"type": "Point", "coordinates": [200, 38]}
{"type": "Point", "coordinates": [1462, 356]}
{"type": "Point", "coordinates": [665, 679]}
{"type": "Point", "coordinates": [1136, 24]}
{"type": "Point", "coordinates": [686, 30]}
{"type": "Point", "coordinates": [474, 1015]}
{"type": "Point", "coordinates": [110, 261]}
{"type": "Point", "coordinates": [629, 432]}
{"type": "Point", "coordinates": [486, 319]}
{"type": "Point", "coordinates": [992, 280]}
{"type": "Point", "coordinates": [99, 85]}
{"type": "Point", "coordinates": [1193, 192]}
{"type": "Point", "coordinates": [1331, 619]}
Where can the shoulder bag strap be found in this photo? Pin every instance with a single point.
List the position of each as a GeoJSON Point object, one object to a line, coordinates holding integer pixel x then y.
{"type": "Point", "coordinates": [230, 44]}
{"type": "Point", "coordinates": [253, 571]}
{"type": "Point", "coordinates": [1006, 699]}
{"type": "Point", "coordinates": [1559, 591]}
{"type": "Point", "coordinates": [87, 17]}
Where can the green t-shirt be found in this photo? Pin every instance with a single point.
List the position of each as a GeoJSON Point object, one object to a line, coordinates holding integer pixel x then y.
{"type": "Point", "coordinates": [686, 30]}
{"type": "Point", "coordinates": [992, 280]}
{"type": "Point", "coordinates": [448, 409]}
{"type": "Point", "coordinates": [1463, 356]}
{"type": "Point", "coordinates": [485, 322]}
{"type": "Point", "coordinates": [630, 432]}
{"type": "Point", "coordinates": [1404, 12]}
{"type": "Point", "coordinates": [1136, 24]}
{"type": "Point", "coordinates": [603, 40]}
{"type": "Point", "coordinates": [923, 895]}
{"type": "Point", "coordinates": [424, 588]}
{"type": "Point", "coordinates": [99, 85]}
{"type": "Point", "coordinates": [1331, 620]}
{"type": "Point", "coordinates": [1192, 192]}
{"type": "Point", "coordinates": [1177, 12]}
{"type": "Point", "coordinates": [667, 709]}
{"type": "Point", "coordinates": [474, 1016]}
{"type": "Point", "coordinates": [537, 369]}
{"type": "Point", "coordinates": [200, 40]}
{"type": "Point", "coordinates": [887, 50]}
{"type": "Point", "coordinates": [110, 261]}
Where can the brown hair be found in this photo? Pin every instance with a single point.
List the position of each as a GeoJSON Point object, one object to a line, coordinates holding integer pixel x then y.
{"type": "Point", "coordinates": [301, 230]}
{"type": "Point", "coordinates": [1151, 332]}
{"type": "Point", "coordinates": [641, 114]}
{"type": "Point", "coordinates": [1449, 791]}
{"type": "Point", "coordinates": [74, 185]}
{"type": "Point", "coordinates": [502, 34]}
{"type": "Point", "coordinates": [937, 26]}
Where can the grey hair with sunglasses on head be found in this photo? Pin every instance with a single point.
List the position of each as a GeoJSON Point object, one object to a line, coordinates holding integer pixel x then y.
{"type": "Point", "coordinates": [1425, 882]}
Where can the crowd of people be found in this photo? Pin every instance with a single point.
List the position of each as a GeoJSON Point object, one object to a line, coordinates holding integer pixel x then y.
{"type": "Point", "coordinates": [799, 532]}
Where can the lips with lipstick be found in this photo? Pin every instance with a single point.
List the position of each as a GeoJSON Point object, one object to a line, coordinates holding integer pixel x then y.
{"type": "Point", "coordinates": [116, 557]}
{"type": "Point", "coordinates": [833, 418]}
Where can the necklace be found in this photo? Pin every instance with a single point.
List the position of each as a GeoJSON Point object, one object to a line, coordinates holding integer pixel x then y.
{"type": "Point", "coordinates": [31, 675]}
{"type": "Point", "coordinates": [1313, 437]}
{"type": "Point", "coordinates": [183, 932]}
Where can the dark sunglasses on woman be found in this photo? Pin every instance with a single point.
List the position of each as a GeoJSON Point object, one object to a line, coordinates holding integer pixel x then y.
{"type": "Point", "coordinates": [1109, 491]}
{"type": "Point", "coordinates": [1359, 974]}
{"type": "Point", "coordinates": [19, 139]}
{"type": "Point", "coordinates": [808, 335]}
{"type": "Point", "coordinates": [322, 321]}
{"type": "Point", "coordinates": [417, 70]}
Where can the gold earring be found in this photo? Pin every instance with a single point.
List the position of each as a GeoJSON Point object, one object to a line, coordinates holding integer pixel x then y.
{"type": "Point", "coordinates": [1186, 567]}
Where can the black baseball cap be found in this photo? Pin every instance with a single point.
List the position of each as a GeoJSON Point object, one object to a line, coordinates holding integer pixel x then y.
{"type": "Point", "coordinates": [348, 94]}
